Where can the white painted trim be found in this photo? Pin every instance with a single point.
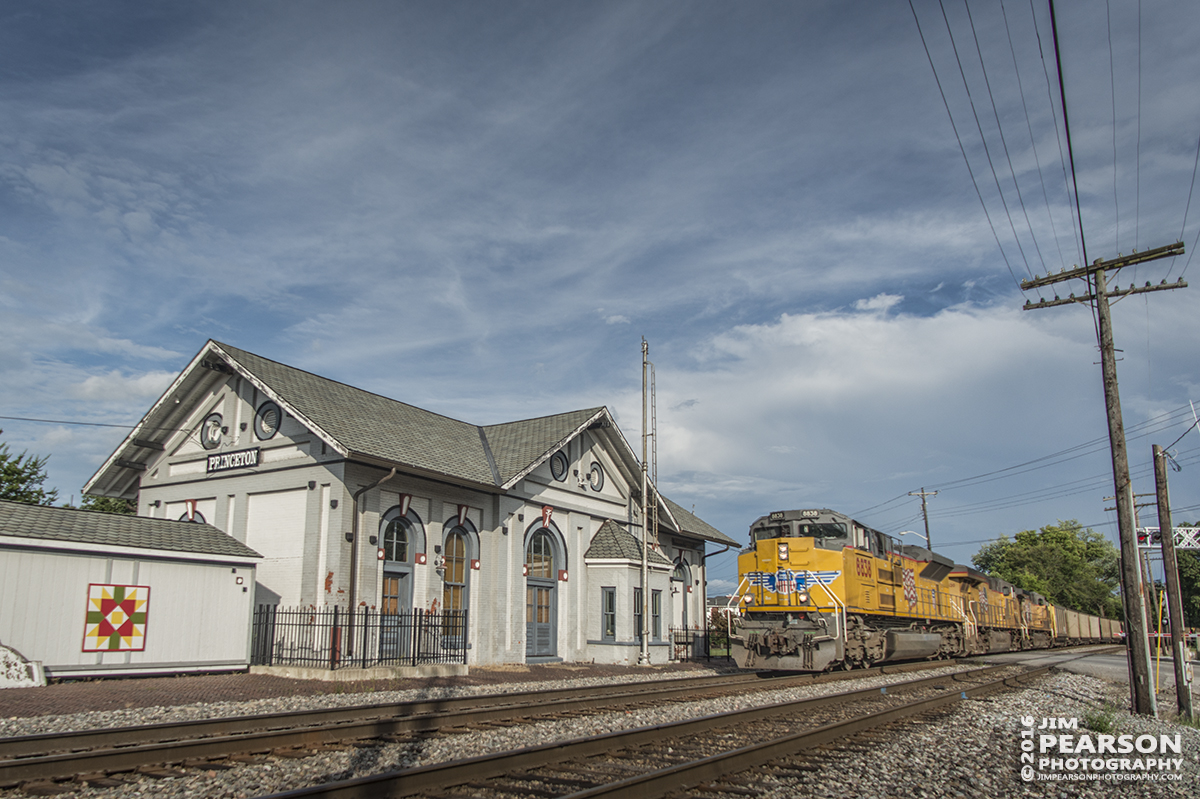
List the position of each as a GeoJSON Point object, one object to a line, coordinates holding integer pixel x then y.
{"type": "Point", "coordinates": [89, 548]}
{"type": "Point", "coordinates": [545, 456]}
{"type": "Point", "coordinates": [284, 404]}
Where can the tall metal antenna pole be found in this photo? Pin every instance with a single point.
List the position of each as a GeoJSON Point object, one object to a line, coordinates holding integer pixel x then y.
{"type": "Point", "coordinates": [644, 654]}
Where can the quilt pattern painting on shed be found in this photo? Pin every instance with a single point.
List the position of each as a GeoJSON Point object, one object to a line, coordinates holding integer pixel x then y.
{"type": "Point", "coordinates": [116, 618]}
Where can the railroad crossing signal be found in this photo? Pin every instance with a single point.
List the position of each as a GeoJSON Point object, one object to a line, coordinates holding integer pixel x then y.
{"type": "Point", "coordinates": [1185, 537]}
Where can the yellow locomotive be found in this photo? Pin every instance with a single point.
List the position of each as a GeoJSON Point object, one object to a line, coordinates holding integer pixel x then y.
{"type": "Point", "coordinates": [818, 590]}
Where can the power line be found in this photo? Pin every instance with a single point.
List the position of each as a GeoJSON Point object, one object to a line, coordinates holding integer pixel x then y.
{"type": "Point", "coordinates": [81, 424]}
{"type": "Point", "coordinates": [1112, 82]}
{"type": "Point", "coordinates": [986, 150]}
{"type": "Point", "coordinates": [961, 147]}
{"type": "Point", "coordinates": [1032, 139]}
{"type": "Point", "coordinates": [1058, 137]}
{"type": "Point", "coordinates": [1004, 143]}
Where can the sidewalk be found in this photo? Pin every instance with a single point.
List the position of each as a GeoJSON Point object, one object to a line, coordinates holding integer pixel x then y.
{"type": "Point", "coordinates": [118, 694]}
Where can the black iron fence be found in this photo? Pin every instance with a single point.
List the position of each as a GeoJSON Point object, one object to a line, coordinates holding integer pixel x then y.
{"type": "Point", "coordinates": [334, 638]}
{"type": "Point", "coordinates": [698, 645]}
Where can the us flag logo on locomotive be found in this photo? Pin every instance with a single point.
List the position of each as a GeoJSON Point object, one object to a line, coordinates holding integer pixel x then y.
{"type": "Point", "coordinates": [786, 581]}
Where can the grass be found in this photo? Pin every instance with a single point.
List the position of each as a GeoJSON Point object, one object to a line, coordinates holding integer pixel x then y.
{"type": "Point", "coordinates": [1193, 722]}
{"type": "Point", "coordinates": [1101, 719]}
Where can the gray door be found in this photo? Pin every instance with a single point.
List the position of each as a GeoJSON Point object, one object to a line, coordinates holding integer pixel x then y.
{"type": "Point", "coordinates": [395, 617]}
{"type": "Point", "coordinates": [539, 619]}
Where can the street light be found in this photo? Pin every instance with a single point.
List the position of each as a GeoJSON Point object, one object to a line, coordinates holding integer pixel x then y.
{"type": "Point", "coordinates": [922, 535]}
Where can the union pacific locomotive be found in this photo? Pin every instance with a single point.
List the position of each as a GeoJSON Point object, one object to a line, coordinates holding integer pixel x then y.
{"type": "Point", "coordinates": [819, 591]}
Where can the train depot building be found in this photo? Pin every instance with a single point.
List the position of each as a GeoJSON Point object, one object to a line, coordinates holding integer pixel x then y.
{"type": "Point", "coordinates": [529, 529]}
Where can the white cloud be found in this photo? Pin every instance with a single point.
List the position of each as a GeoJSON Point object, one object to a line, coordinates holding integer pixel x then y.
{"type": "Point", "coordinates": [116, 387]}
{"type": "Point", "coordinates": [880, 302]}
{"type": "Point", "coordinates": [616, 320]}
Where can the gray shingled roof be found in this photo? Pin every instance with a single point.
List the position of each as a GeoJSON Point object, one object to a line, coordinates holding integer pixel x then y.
{"type": "Point", "coordinates": [116, 529]}
{"type": "Point", "coordinates": [613, 542]}
{"type": "Point", "coordinates": [372, 425]}
{"type": "Point", "coordinates": [695, 525]}
{"type": "Point", "coordinates": [394, 431]}
{"type": "Point", "coordinates": [515, 445]}
{"type": "Point", "coordinates": [380, 427]}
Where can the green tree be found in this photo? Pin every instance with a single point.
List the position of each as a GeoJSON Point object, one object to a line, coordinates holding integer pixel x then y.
{"type": "Point", "coordinates": [1069, 565]}
{"type": "Point", "coordinates": [108, 504]}
{"type": "Point", "coordinates": [1189, 581]}
{"type": "Point", "coordinates": [22, 476]}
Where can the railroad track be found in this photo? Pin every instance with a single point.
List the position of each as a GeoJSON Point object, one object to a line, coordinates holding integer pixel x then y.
{"type": "Point", "coordinates": [41, 763]}
{"type": "Point", "coordinates": [705, 754]}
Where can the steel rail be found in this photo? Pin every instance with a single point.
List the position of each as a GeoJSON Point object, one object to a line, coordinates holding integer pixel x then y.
{"type": "Point", "coordinates": [126, 749]}
{"type": "Point", "coordinates": [46, 743]}
{"type": "Point", "coordinates": [441, 775]}
{"type": "Point", "coordinates": [688, 775]}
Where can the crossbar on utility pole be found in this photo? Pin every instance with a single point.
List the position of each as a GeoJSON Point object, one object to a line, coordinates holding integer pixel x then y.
{"type": "Point", "coordinates": [1142, 696]}
{"type": "Point", "coordinates": [924, 510]}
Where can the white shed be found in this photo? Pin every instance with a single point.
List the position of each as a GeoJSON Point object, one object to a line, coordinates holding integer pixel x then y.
{"type": "Point", "coordinates": [93, 594]}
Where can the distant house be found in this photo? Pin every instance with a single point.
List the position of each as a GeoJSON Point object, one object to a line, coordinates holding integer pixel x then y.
{"type": "Point", "coordinates": [355, 499]}
{"type": "Point", "coordinates": [97, 594]}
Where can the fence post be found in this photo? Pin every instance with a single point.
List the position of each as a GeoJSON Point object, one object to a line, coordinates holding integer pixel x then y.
{"type": "Point", "coordinates": [335, 636]}
{"type": "Point", "coordinates": [414, 617]}
{"type": "Point", "coordinates": [362, 645]}
{"type": "Point", "coordinates": [270, 636]}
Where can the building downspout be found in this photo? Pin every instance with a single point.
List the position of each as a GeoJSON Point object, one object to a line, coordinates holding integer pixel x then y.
{"type": "Point", "coordinates": [354, 552]}
{"type": "Point", "coordinates": [707, 613]}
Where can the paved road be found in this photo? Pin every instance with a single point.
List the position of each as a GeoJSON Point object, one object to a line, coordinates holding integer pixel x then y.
{"type": "Point", "coordinates": [1111, 666]}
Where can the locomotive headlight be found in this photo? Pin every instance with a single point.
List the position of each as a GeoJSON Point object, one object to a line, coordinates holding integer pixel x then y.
{"type": "Point", "coordinates": [783, 551]}
{"type": "Point", "coordinates": [802, 596]}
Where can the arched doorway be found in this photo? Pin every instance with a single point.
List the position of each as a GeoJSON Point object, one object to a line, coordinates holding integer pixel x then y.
{"type": "Point", "coordinates": [401, 536]}
{"type": "Point", "coordinates": [460, 547]}
{"type": "Point", "coordinates": [544, 557]}
{"type": "Point", "coordinates": [681, 578]}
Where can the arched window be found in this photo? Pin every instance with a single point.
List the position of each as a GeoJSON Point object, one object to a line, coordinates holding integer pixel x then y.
{"type": "Point", "coordinates": [454, 591]}
{"type": "Point", "coordinates": [539, 555]}
{"type": "Point", "coordinates": [681, 573]}
{"type": "Point", "coordinates": [397, 534]}
{"type": "Point", "coordinates": [401, 537]}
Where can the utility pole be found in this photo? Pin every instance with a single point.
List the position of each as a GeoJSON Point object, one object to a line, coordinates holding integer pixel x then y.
{"type": "Point", "coordinates": [924, 510]}
{"type": "Point", "coordinates": [1143, 700]}
{"type": "Point", "coordinates": [1183, 690]}
{"type": "Point", "coordinates": [1145, 572]}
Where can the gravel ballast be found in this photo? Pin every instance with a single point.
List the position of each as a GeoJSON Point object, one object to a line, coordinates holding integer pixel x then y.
{"type": "Point", "coordinates": [971, 750]}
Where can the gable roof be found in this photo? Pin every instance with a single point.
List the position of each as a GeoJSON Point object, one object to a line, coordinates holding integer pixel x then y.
{"type": "Point", "coordinates": [20, 520]}
{"type": "Point", "coordinates": [519, 446]}
{"type": "Point", "coordinates": [369, 424]}
{"type": "Point", "coordinates": [690, 524]}
{"type": "Point", "coordinates": [358, 423]}
{"type": "Point", "coordinates": [614, 542]}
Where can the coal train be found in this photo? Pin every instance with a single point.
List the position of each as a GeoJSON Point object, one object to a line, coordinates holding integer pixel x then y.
{"type": "Point", "coordinates": [820, 591]}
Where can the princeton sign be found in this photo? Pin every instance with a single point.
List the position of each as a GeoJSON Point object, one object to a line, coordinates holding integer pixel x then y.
{"type": "Point", "coordinates": [233, 460]}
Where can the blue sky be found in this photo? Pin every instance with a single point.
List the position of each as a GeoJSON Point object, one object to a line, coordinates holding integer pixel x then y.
{"type": "Point", "coordinates": [481, 208]}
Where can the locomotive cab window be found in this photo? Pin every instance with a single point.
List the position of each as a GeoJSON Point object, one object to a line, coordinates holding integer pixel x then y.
{"type": "Point", "coordinates": [767, 533]}
{"type": "Point", "coordinates": [826, 535]}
